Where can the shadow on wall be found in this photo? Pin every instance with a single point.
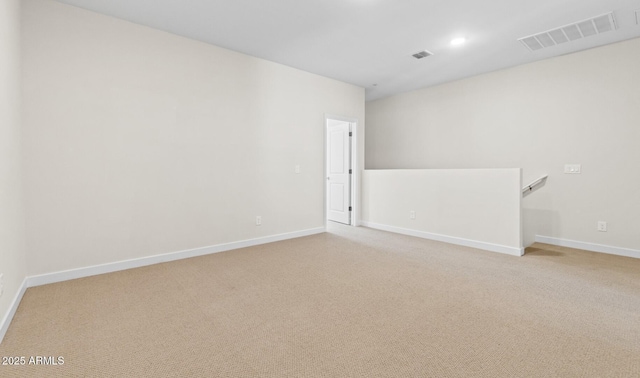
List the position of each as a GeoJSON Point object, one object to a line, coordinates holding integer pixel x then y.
{"type": "Point", "coordinates": [537, 222]}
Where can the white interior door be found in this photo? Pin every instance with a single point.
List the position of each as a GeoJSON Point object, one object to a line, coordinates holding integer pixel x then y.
{"type": "Point", "coordinates": [339, 172]}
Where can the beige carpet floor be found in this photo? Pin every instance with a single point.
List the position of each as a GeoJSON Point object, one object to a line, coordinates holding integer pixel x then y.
{"type": "Point", "coordinates": [354, 302]}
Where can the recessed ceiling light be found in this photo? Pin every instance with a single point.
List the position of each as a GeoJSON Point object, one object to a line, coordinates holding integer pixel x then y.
{"type": "Point", "coordinates": [458, 41]}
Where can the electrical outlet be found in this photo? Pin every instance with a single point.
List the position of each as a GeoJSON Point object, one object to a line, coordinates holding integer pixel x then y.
{"type": "Point", "coordinates": [297, 169]}
{"type": "Point", "coordinates": [602, 226]}
{"type": "Point", "coordinates": [412, 214]}
{"type": "Point", "coordinates": [258, 220]}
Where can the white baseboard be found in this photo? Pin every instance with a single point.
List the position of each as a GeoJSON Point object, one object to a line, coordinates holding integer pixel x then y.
{"type": "Point", "coordinates": [514, 251]}
{"type": "Point", "coordinates": [6, 320]}
{"type": "Point", "coordinates": [71, 274]}
{"type": "Point", "coordinates": [589, 246]}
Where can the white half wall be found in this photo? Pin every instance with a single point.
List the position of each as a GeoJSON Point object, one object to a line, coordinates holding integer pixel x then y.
{"type": "Point", "coordinates": [581, 108]}
{"type": "Point", "coordinates": [141, 143]}
{"type": "Point", "coordinates": [473, 207]}
{"type": "Point", "coordinates": [13, 265]}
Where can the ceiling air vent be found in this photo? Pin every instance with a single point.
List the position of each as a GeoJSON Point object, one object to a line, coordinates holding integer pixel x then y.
{"type": "Point", "coordinates": [422, 54]}
{"type": "Point", "coordinates": [577, 30]}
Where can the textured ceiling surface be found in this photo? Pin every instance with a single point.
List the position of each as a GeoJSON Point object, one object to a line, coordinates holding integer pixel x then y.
{"type": "Point", "coordinates": [370, 43]}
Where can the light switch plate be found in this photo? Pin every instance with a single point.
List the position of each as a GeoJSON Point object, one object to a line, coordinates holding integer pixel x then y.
{"type": "Point", "coordinates": [572, 168]}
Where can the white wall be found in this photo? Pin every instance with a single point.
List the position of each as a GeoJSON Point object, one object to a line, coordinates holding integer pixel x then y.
{"type": "Point", "coordinates": [140, 142]}
{"type": "Point", "coordinates": [473, 207]}
{"type": "Point", "coordinates": [581, 108]}
{"type": "Point", "coordinates": [12, 250]}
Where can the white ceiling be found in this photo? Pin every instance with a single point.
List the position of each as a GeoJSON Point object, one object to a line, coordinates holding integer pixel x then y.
{"type": "Point", "coordinates": [367, 42]}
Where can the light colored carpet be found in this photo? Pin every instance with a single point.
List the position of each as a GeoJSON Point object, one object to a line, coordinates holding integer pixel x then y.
{"type": "Point", "coordinates": [355, 302]}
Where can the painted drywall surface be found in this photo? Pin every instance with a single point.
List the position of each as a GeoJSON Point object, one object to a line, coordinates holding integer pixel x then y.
{"type": "Point", "coordinates": [481, 205]}
{"type": "Point", "coordinates": [140, 142]}
{"type": "Point", "coordinates": [580, 108]}
{"type": "Point", "coordinates": [12, 250]}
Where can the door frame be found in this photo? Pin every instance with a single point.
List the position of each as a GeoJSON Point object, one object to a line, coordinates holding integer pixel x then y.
{"type": "Point", "coordinates": [355, 176]}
